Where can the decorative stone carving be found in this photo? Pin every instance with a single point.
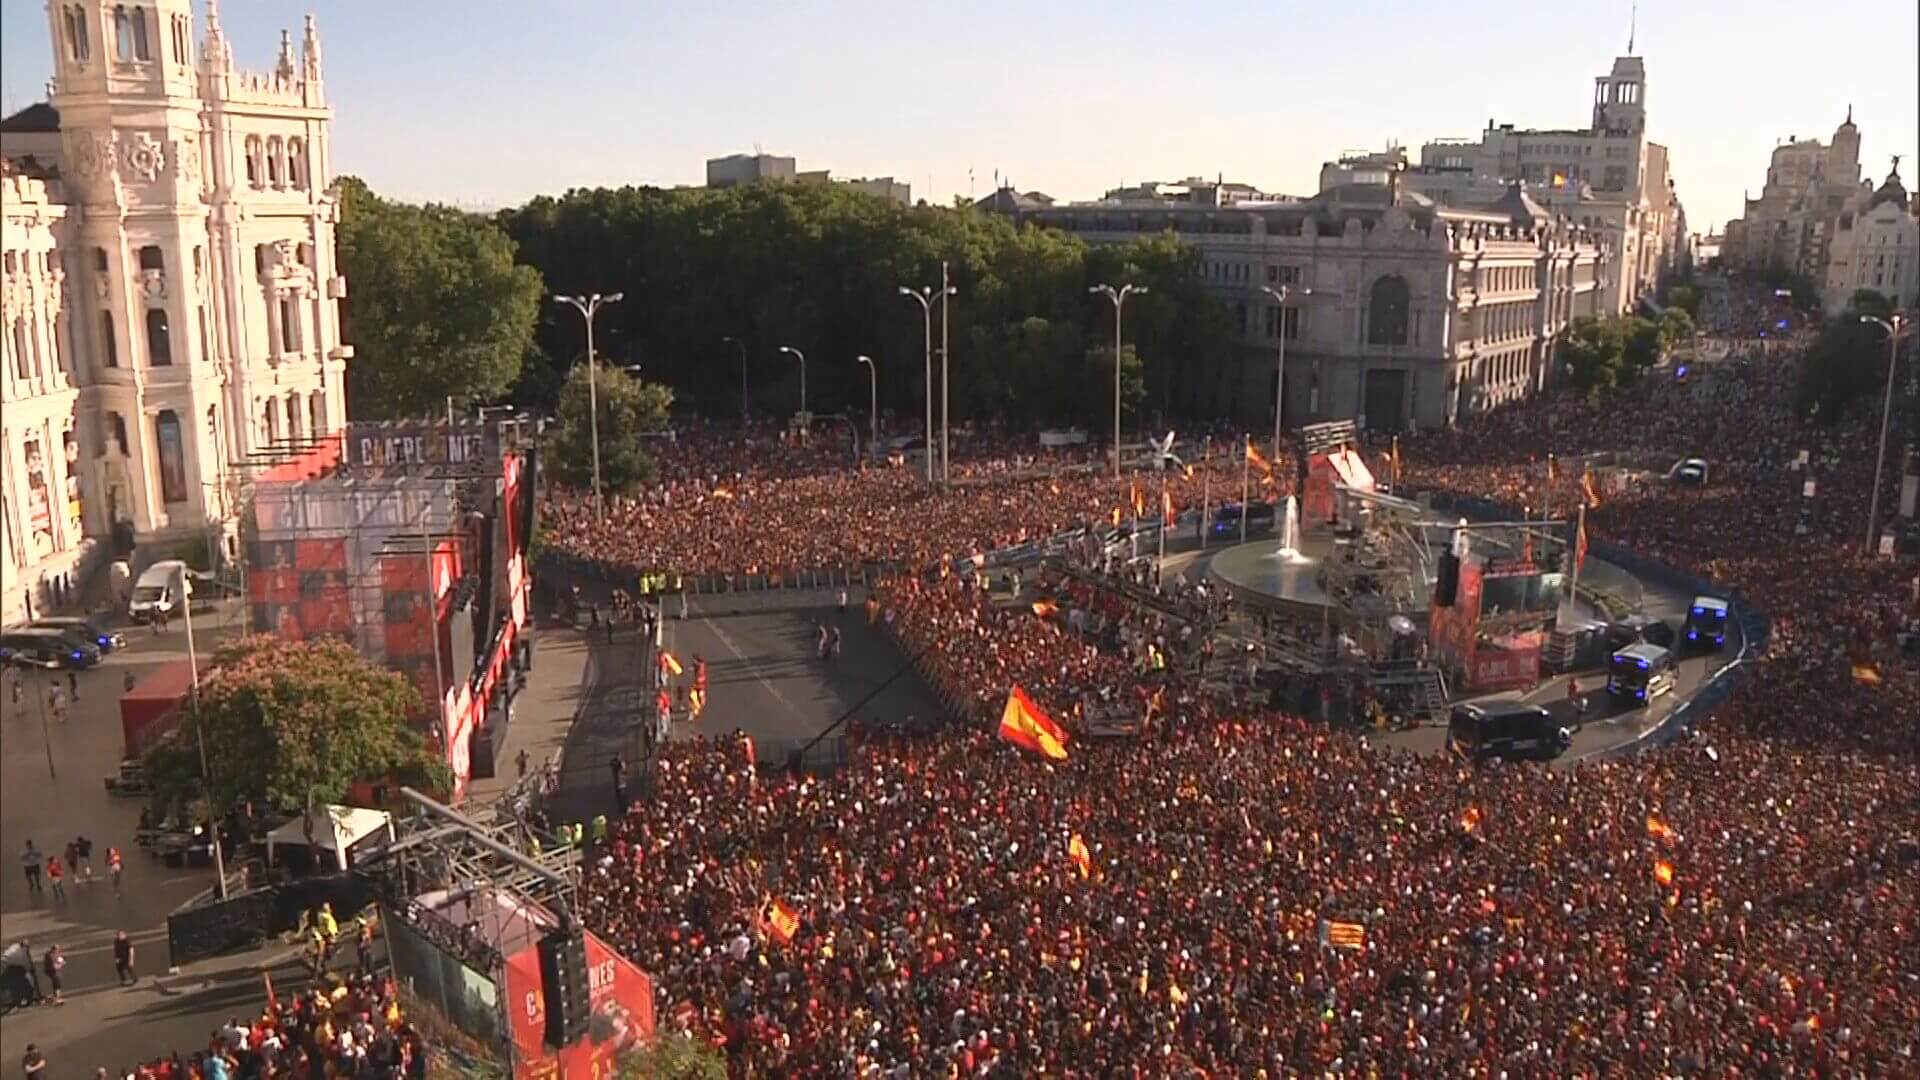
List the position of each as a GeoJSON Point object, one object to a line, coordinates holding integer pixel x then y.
{"type": "Point", "coordinates": [186, 160]}
{"type": "Point", "coordinates": [146, 157]}
{"type": "Point", "coordinates": [93, 156]}
{"type": "Point", "coordinates": [153, 283]}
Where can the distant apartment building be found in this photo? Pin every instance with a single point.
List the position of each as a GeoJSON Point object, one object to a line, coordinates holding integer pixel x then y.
{"type": "Point", "coordinates": [736, 170]}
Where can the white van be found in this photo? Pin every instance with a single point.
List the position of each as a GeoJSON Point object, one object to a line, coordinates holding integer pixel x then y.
{"type": "Point", "coordinates": [161, 590]}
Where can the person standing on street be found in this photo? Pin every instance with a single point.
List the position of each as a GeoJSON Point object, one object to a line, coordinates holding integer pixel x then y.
{"type": "Point", "coordinates": [53, 964]}
{"type": "Point", "coordinates": [56, 878]}
{"type": "Point", "coordinates": [619, 767]}
{"type": "Point", "coordinates": [33, 1063]}
{"type": "Point", "coordinates": [114, 868]}
{"type": "Point", "coordinates": [123, 958]}
{"type": "Point", "coordinates": [30, 865]}
{"type": "Point", "coordinates": [73, 684]}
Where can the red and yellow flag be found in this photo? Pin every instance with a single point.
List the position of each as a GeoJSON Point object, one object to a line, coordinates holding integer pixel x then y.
{"type": "Point", "coordinates": [1343, 935]}
{"type": "Point", "coordinates": [1024, 725]}
{"type": "Point", "coordinates": [1663, 872]}
{"type": "Point", "coordinates": [782, 922]}
{"type": "Point", "coordinates": [1580, 542]}
{"type": "Point", "coordinates": [1082, 858]}
{"type": "Point", "coordinates": [1258, 460]}
{"type": "Point", "coordinates": [1866, 674]}
{"type": "Point", "coordinates": [1658, 828]}
{"type": "Point", "coordinates": [1167, 515]}
{"type": "Point", "coordinates": [1116, 517]}
{"type": "Point", "coordinates": [1586, 488]}
{"type": "Point", "coordinates": [670, 662]}
{"type": "Point", "coordinates": [1044, 608]}
{"type": "Point", "coordinates": [1139, 500]}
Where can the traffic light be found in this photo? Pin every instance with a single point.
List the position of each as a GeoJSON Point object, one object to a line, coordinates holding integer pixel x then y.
{"type": "Point", "coordinates": [563, 984]}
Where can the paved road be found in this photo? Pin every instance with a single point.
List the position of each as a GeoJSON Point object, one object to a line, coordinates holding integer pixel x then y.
{"type": "Point", "coordinates": [53, 809]}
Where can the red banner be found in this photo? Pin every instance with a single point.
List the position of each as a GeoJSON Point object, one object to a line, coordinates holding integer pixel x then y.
{"type": "Point", "coordinates": [622, 998]}
{"type": "Point", "coordinates": [1504, 669]}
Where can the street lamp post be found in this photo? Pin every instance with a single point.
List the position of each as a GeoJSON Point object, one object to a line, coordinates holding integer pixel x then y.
{"type": "Point", "coordinates": [1894, 325]}
{"type": "Point", "coordinates": [1280, 297]}
{"type": "Point", "coordinates": [873, 410]}
{"type": "Point", "coordinates": [587, 306]}
{"type": "Point", "coordinates": [1119, 298]}
{"type": "Point", "coordinates": [741, 345]}
{"type": "Point", "coordinates": [802, 357]}
{"type": "Point", "coordinates": [924, 296]}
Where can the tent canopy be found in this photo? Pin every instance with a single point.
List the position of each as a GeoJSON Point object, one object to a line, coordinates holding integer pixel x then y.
{"type": "Point", "coordinates": [335, 829]}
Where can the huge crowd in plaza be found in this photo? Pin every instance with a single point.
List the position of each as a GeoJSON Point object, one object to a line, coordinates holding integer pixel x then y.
{"type": "Point", "coordinates": [1743, 902]}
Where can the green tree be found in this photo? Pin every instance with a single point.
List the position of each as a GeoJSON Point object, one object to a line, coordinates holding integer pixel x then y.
{"type": "Point", "coordinates": [1592, 351]}
{"type": "Point", "coordinates": [289, 724]}
{"type": "Point", "coordinates": [674, 1057]}
{"type": "Point", "coordinates": [1685, 297]}
{"type": "Point", "coordinates": [629, 410]}
{"type": "Point", "coordinates": [1846, 363]}
{"type": "Point", "coordinates": [438, 306]}
{"type": "Point", "coordinates": [1675, 329]}
{"type": "Point", "coordinates": [1642, 344]}
{"type": "Point", "coordinates": [1870, 302]}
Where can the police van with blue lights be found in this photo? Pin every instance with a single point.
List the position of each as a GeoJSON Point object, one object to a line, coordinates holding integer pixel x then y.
{"type": "Point", "coordinates": [1641, 672]}
{"type": "Point", "coordinates": [1706, 627]}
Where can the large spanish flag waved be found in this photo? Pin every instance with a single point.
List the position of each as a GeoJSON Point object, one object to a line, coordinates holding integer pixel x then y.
{"type": "Point", "coordinates": [1024, 725]}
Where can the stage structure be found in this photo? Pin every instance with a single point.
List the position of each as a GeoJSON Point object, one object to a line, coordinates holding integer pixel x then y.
{"type": "Point", "coordinates": [468, 915]}
{"type": "Point", "coordinates": [379, 535]}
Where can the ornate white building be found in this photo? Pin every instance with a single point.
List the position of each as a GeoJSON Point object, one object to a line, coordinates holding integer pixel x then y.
{"type": "Point", "coordinates": [171, 286]}
{"type": "Point", "coordinates": [1876, 246]}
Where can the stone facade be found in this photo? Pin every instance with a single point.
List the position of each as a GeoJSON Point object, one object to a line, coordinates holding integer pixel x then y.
{"type": "Point", "coordinates": [1791, 225]}
{"type": "Point", "coordinates": [1401, 313]}
{"type": "Point", "coordinates": [200, 327]}
{"type": "Point", "coordinates": [1876, 245]}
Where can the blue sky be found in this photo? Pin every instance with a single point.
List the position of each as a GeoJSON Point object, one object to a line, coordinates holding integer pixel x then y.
{"type": "Point", "coordinates": [487, 103]}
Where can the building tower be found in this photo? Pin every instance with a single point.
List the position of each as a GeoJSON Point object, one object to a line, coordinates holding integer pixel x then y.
{"type": "Point", "coordinates": [131, 139]}
{"type": "Point", "coordinates": [1843, 154]}
{"type": "Point", "coordinates": [271, 225]}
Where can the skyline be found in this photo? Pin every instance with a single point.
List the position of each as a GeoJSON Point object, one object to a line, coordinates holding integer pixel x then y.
{"type": "Point", "coordinates": [646, 97]}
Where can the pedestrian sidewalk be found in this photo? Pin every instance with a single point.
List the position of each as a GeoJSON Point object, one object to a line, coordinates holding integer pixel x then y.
{"type": "Point", "coordinates": [543, 713]}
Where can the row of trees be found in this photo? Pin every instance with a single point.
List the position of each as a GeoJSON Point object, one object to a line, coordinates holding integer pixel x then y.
{"type": "Point", "coordinates": [1847, 364]}
{"type": "Point", "coordinates": [1604, 353]}
{"type": "Point", "coordinates": [446, 303]}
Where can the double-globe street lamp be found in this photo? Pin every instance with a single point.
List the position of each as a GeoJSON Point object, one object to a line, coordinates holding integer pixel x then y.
{"type": "Point", "coordinates": [873, 409]}
{"type": "Point", "coordinates": [925, 296]}
{"type": "Point", "coordinates": [588, 306]}
{"type": "Point", "coordinates": [1119, 298]}
{"type": "Point", "coordinates": [1895, 325]}
{"type": "Point", "coordinates": [1280, 297]}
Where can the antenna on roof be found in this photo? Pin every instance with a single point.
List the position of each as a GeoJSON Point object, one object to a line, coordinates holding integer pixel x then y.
{"type": "Point", "coordinates": [1633, 25]}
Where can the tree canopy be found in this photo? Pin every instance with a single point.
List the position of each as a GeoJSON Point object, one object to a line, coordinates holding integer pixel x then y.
{"type": "Point", "coordinates": [437, 306]}
{"type": "Point", "coordinates": [629, 409]}
{"type": "Point", "coordinates": [289, 723]}
{"type": "Point", "coordinates": [1847, 362]}
{"type": "Point", "coordinates": [819, 267]}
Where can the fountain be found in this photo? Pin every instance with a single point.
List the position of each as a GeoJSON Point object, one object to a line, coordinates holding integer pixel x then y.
{"type": "Point", "coordinates": [1290, 529]}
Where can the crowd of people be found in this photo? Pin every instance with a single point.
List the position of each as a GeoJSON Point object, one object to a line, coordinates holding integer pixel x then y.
{"type": "Point", "coordinates": [1744, 901]}
{"type": "Point", "coordinates": [350, 1027]}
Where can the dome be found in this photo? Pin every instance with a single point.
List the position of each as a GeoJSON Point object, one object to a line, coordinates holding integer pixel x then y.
{"type": "Point", "coordinates": [1891, 190]}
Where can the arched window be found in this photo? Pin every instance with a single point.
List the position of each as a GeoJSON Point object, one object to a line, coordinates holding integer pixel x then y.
{"type": "Point", "coordinates": [1387, 311]}
{"type": "Point", "coordinates": [173, 456]}
{"type": "Point", "coordinates": [317, 413]}
{"type": "Point", "coordinates": [159, 343]}
{"type": "Point", "coordinates": [276, 161]}
{"type": "Point", "coordinates": [256, 165]}
{"type": "Point", "coordinates": [22, 350]}
{"type": "Point", "coordinates": [297, 164]}
{"type": "Point", "coordinates": [293, 416]}
{"type": "Point", "coordinates": [122, 34]}
{"type": "Point", "coordinates": [78, 47]}
{"type": "Point", "coordinates": [141, 50]}
{"type": "Point", "coordinates": [109, 348]}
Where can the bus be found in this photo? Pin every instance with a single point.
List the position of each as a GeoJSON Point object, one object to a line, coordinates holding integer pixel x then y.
{"type": "Point", "coordinates": [1641, 672]}
{"type": "Point", "coordinates": [1505, 729]}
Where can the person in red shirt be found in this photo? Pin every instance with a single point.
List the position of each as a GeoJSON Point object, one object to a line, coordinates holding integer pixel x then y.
{"type": "Point", "coordinates": [57, 877]}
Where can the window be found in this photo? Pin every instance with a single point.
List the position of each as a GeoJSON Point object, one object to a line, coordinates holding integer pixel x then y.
{"type": "Point", "coordinates": [109, 348]}
{"type": "Point", "coordinates": [1240, 312]}
{"type": "Point", "coordinates": [270, 420]}
{"type": "Point", "coordinates": [159, 344]}
{"type": "Point", "coordinates": [289, 324]}
{"type": "Point", "coordinates": [151, 259]}
{"type": "Point", "coordinates": [122, 34]}
{"type": "Point", "coordinates": [206, 346]}
{"type": "Point", "coordinates": [1387, 311]}
{"type": "Point", "coordinates": [1273, 274]}
{"type": "Point", "coordinates": [1290, 322]}
{"type": "Point", "coordinates": [317, 412]}
{"type": "Point", "coordinates": [117, 426]}
{"type": "Point", "coordinates": [254, 163]}
{"type": "Point", "coordinates": [297, 163]}
{"type": "Point", "coordinates": [173, 456]}
{"type": "Point", "coordinates": [293, 417]}
{"type": "Point", "coordinates": [78, 47]}
{"type": "Point", "coordinates": [99, 260]}
{"type": "Point", "coordinates": [22, 350]}
{"type": "Point", "coordinates": [276, 161]}
{"type": "Point", "coordinates": [260, 259]}
{"type": "Point", "coordinates": [141, 50]}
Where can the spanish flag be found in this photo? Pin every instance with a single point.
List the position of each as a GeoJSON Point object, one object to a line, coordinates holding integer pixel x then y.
{"type": "Point", "coordinates": [1866, 674]}
{"type": "Point", "coordinates": [782, 922]}
{"type": "Point", "coordinates": [1258, 459]}
{"type": "Point", "coordinates": [1586, 488]}
{"type": "Point", "coordinates": [1663, 872]}
{"type": "Point", "coordinates": [1139, 501]}
{"type": "Point", "coordinates": [1658, 828]}
{"type": "Point", "coordinates": [1116, 517]}
{"type": "Point", "coordinates": [1024, 725]}
{"type": "Point", "coordinates": [670, 662]}
{"type": "Point", "coordinates": [1167, 516]}
{"type": "Point", "coordinates": [1082, 858]}
{"type": "Point", "coordinates": [1343, 935]}
{"type": "Point", "coordinates": [1044, 608]}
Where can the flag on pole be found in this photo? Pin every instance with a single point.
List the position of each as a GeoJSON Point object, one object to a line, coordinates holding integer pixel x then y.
{"type": "Point", "coordinates": [1586, 488]}
{"type": "Point", "coordinates": [1139, 501]}
{"type": "Point", "coordinates": [1024, 725]}
{"type": "Point", "coordinates": [1167, 515]}
{"type": "Point", "coordinates": [670, 662]}
{"type": "Point", "coordinates": [1580, 540]}
{"type": "Point", "coordinates": [1258, 459]}
{"type": "Point", "coordinates": [1116, 517]}
{"type": "Point", "coordinates": [1082, 858]}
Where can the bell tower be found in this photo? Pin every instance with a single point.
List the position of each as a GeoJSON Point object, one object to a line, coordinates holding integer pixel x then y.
{"type": "Point", "coordinates": [132, 150]}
